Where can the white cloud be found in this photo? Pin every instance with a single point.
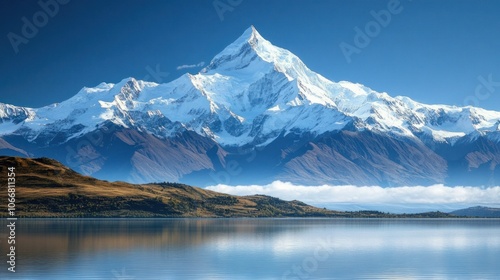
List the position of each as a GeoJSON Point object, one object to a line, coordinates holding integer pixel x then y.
{"type": "Point", "coordinates": [415, 195]}
{"type": "Point", "coordinates": [187, 66]}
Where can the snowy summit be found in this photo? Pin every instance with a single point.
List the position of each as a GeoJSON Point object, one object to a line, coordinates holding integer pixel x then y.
{"type": "Point", "coordinates": [249, 93]}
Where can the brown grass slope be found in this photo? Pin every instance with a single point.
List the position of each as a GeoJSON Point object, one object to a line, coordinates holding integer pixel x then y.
{"type": "Point", "coordinates": [46, 188]}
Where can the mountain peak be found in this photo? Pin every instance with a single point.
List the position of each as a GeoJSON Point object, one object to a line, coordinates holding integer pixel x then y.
{"type": "Point", "coordinates": [251, 56]}
{"type": "Point", "coordinates": [252, 36]}
{"type": "Point", "coordinates": [242, 53]}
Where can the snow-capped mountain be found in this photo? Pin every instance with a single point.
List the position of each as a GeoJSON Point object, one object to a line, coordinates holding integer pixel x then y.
{"type": "Point", "coordinates": [256, 95]}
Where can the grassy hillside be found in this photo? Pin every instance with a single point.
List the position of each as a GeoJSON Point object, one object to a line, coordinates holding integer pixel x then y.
{"type": "Point", "coordinates": [46, 188]}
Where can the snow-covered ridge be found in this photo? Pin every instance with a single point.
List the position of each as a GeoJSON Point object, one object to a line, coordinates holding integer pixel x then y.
{"type": "Point", "coordinates": [249, 93]}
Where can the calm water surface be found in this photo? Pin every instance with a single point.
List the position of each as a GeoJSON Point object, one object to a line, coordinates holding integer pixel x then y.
{"type": "Point", "coordinates": [255, 249]}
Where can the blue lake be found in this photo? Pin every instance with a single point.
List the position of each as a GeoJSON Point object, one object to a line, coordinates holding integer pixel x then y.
{"type": "Point", "coordinates": [255, 249]}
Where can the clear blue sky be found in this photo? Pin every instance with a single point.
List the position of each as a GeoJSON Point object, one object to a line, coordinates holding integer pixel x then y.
{"type": "Point", "coordinates": [431, 51]}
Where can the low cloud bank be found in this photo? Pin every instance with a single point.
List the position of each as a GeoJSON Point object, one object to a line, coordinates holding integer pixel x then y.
{"type": "Point", "coordinates": [415, 195]}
